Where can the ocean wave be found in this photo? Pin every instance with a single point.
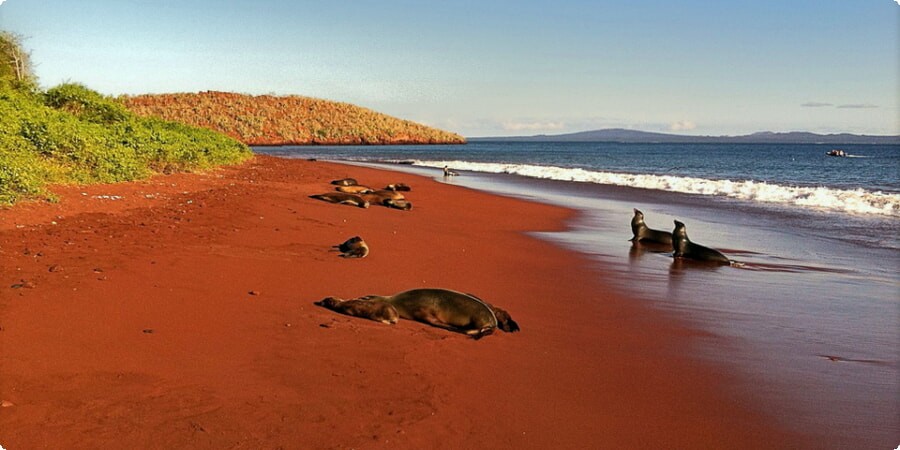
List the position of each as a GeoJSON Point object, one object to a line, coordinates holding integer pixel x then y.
{"type": "Point", "coordinates": [854, 201]}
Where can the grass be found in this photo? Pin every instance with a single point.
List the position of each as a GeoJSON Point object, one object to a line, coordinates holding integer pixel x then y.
{"type": "Point", "coordinates": [287, 120]}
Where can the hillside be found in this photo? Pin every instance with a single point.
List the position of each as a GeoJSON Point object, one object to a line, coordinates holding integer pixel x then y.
{"type": "Point", "coordinates": [635, 136]}
{"type": "Point", "coordinates": [286, 120]}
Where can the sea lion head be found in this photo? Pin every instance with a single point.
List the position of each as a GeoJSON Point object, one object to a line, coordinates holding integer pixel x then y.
{"type": "Point", "coordinates": [329, 302]}
{"type": "Point", "coordinates": [637, 224]}
{"type": "Point", "coordinates": [638, 216]}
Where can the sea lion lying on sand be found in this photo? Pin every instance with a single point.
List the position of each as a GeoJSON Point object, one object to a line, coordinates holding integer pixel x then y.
{"type": "Point", "coordinates": [684, 248]}
{"type": "Point", "coordinates": [443, 308]}
{"type": "Point", "coordinates": [354, 247]}
{"type": "Point", "coordinates": [397, 204]}
{"type": "Point", "coordinates": [378, 197]}
{"type": "Point", "coordinates": [643, 233]}
{"type": "Point", "coordinates": [345, 182]}
{"type": "Point", "coordinates": [342, 198]}
{"type": "Point", "coordinates": [398, 187]}
{"type": "Point", "coordinates": [372, 310]}
{"type": "Point", "coordinates": [356, 189]}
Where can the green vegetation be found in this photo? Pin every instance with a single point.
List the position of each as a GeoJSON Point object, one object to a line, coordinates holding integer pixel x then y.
{"type": "Point", "coordinates": [287, 120]}
{"type": "Point", "coordinates": [71, 134]}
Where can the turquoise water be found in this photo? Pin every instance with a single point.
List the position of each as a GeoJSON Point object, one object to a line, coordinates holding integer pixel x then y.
{"type": "Point", "coordinates": [811, 310]}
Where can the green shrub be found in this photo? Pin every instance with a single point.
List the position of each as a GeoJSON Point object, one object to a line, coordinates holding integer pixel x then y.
{"type": "Point", "coordinates": [85, 104]}
{"type": "Point", "coordinates": [71, 134]}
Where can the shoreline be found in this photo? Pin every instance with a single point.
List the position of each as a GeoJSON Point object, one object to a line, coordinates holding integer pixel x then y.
{"type": "Point", "coordinates": [181, 255]}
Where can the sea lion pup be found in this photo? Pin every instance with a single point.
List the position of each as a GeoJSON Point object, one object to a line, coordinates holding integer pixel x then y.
{"type": "Point", "coordinates": [367, 309]}
{"type": "Point", "coordinates": [684, 248]}
{"type": "Point", "coordinates": [398, 187]}
{"type": "Point", "coordinates": [355, 189]}
{"type": "Point", "coordinates": [354, 247]}
{"type": "Point", "coordinates": [342, 198]}
{"type": "Point", "coordinates": [443, 308]}
{"type": "Point", "coordinates": [345, 182]}
{"type": "Point", "coordinates": [643, 233]}
{"type": "Point", "coordinates": [397, 204]}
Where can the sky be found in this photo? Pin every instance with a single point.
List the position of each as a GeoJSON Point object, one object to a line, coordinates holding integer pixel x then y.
{"type": "Point", "coordinates": [498, 67]}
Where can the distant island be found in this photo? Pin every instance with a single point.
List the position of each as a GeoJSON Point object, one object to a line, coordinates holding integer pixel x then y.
{"type": "Point", "coordinates": [286, 120]}
{"type": "Point", "coordinates": [622, 135]}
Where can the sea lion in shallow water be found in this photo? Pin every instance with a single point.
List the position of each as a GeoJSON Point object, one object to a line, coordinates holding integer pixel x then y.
{"type": "Point", "coordinates": [355, 189]}
{"type": "Point", "coordinates": [345, 182]}
{"type": "Point", "coordinates": [684, 248]}
{"type": "Point", "coordinates": [372, 310]}
{"type": "Point", "coordinates": [342, 198]}
{"type": "Point", "coordinates": [643, 233]}
{"type": "Point", "coordinates": [354, 247]}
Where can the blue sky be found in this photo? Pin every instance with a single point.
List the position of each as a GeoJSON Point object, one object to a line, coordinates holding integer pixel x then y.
{"type": "Point", "coordinates": [497, 67]}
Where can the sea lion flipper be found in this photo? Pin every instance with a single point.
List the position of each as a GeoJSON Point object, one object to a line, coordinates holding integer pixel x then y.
{"type": "Point", "coordinates": [478, 334]}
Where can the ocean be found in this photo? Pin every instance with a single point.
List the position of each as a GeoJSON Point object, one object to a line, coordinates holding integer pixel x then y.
{"type": "Point", "coordinates": [811, 308]}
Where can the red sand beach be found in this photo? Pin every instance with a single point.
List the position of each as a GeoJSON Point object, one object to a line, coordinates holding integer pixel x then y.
{"type": "Point", "coordinates": [178, 313]}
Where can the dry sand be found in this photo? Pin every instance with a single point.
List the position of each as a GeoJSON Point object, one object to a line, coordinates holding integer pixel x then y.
{"type": "Point", "coordinates": [177, 313]}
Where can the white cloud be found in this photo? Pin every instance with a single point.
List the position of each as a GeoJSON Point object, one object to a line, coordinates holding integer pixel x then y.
{"type": "Point", "coordinates": [817, 104]}
{"type": "Point", "coordinates": [533, 126]}
{"type": "Point", "coordinates": [682, 125]}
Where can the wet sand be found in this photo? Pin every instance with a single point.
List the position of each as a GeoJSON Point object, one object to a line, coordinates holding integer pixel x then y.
{"type": "Point", "coordinates": [177, 312]}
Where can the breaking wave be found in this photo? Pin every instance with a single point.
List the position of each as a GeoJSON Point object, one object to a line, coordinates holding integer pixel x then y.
{"type": "Point", "coordinates": [855, 201]}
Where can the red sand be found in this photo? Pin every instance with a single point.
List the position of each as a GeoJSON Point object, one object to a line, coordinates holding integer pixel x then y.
{"type": "Point", "coordinates": [180, 316]}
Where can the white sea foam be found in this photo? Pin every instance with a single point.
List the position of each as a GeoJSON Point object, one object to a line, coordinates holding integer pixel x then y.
{"type": "Point", "coordinates": [855, 201]}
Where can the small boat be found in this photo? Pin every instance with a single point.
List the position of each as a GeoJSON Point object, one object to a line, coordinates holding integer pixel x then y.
{"type": "Point", "coordinates": [836, 152]}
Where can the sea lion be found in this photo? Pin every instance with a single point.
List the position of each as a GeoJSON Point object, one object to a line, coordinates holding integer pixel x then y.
{"type": "Point", "coordinates": [397, 204]}
{"type": "Point", "coordinates": [355, 189]}
{"type": "Point", "coordinates": [684, 248]}
{"type": "Point", "coordinates": [372, 310]}
{"type": "Point", "coordinates": [446, 309]}
{"type": "Point", "coordinates": [354, 247]}
{"type": "Point", "coordinates": [643, 233]}
{"type": "Point", "coordinates": [389, 194]}
{"type": "Point", "coordinates": [342, 198]}
{"type": "Point", "coordinates": [345, 182]}
{"type": "Point", "coordinates": [378, 197]}
{"type": "Point", "coordinates": [398, 187]}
